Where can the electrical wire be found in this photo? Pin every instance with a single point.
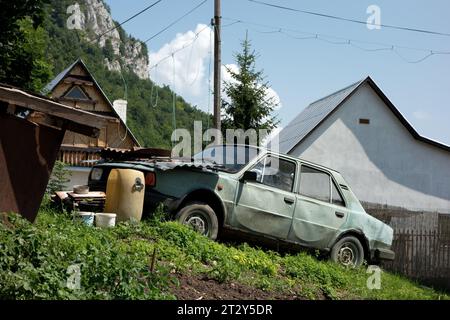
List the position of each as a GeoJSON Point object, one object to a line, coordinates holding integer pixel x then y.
{"type": "Point", "coordinates": [154, 88]}
{"type": "Point", "coordinates": [125, 91]}
{"type": "Point", "coordinates": [342, 41]}
{"type": "Point", "coordinates": [176, 21]}
{"type": "Point", "coordinates": [174, 96]}
{"type": "Point", "coordinates": [186, 45]}
{"type": "Point", "coordinates": [197, 73]}
{"type": "Point", "coordinates": [413, 61]}
{"type": "Point", "coordinates": [118, 132]}
{"type": "Point", "coordinates": [323, 15]}
{"type": "Point", "coordinates": [123, 22]}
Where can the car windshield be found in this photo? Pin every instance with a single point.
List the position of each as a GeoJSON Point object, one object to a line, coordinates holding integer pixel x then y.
{"type": "Point", "coordinates": [230, 158]}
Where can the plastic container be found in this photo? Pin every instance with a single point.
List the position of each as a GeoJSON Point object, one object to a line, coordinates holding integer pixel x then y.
{"type": "Point", "coordinates": [125, 192]}
{"type": "Point", "coordinates": [86, 217]}
{"type": "Point", "coordinates": [105, 220]}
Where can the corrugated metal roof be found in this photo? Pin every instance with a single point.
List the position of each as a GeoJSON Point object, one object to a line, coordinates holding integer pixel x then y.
{"type": "Point", "coordinates": [316, 112]}
{"type": "Point", "coordinates": [310, 117]}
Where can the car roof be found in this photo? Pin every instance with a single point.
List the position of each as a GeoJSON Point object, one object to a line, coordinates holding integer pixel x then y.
{"type": "Point", "coordinates": [266, 150]}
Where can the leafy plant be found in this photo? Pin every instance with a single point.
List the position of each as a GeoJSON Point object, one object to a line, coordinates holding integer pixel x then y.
{"type": "Point", "coordinates": [23, 42]}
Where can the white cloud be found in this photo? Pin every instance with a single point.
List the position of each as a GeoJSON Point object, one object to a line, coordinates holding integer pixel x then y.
{"type": "Point", "coordinates": [421, 115]}
{"type": "Point", "coordinates": [191, 67]}
{"type": "Point", "coordinates": [190, 64]}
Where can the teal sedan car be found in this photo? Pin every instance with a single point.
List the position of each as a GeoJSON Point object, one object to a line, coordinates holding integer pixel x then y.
{"type": "Point", "coordinates": [261, 193]}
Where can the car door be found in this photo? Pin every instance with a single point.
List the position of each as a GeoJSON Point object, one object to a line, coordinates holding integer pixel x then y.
{"type": "Point", "coordinates": [266, 205]}
{"type": "Point", "coordinates": [320, 208]}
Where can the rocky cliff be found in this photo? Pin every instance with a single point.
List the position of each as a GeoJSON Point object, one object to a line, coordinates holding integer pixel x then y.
{"type": "Point", "coordinates": [122, 51]}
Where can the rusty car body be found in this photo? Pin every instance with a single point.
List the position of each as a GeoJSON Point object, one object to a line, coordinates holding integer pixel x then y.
{"type": "Point", "coordinates": [260, 192]}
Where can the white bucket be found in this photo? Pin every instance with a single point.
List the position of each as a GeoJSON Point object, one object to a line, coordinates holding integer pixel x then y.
{"type": "Point", "coordinates": [105, 220]}
{"type": "Point", "coordinates": [86, 217]}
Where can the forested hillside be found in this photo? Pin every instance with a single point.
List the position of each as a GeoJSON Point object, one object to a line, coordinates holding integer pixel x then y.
{"type": "Point", "coordinates": [119, 63]}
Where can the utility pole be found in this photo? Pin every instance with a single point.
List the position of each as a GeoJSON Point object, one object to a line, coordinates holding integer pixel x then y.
{"type": "Point", "coordinates": [217, 64]}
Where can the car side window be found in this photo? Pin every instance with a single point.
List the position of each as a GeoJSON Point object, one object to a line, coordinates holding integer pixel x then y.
{"type": "Point", "coordinates": [276, 172]}
{"type": "Point", "coordinates": [315, 184]}
{"type": "Point", "coordinates": [336, 197]}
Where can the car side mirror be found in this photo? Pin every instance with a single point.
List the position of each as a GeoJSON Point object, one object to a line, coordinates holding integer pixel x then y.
{"type": "Point", "coordinates": [250, 176]}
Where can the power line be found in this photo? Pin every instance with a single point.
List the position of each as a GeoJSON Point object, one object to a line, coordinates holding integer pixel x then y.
{"type": "Point", "coordinates": [130, 18]}
{"type": "Point", "coordinates": [323, 15]}
{"type": "Point", "coordinates": [340, 40]}
{"type": "Point", "coordinates": [175, 21]}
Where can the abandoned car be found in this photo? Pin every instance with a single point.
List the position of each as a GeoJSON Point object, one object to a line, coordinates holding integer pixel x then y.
{"type": "Point", "coordinates": [264, 193]}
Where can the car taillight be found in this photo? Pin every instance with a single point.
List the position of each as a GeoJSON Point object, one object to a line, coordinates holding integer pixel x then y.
{"type": "Point", "coordinates": [96, 173]}
{"type": "Point", "coordinates": [150, 179]}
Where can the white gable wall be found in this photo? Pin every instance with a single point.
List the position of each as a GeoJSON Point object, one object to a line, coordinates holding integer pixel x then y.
{"type": "Point", "coordinates": [381, 161]}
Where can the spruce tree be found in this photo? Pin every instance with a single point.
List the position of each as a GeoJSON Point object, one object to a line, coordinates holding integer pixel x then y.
{"type": "Point", "coordinates": [249, 106]}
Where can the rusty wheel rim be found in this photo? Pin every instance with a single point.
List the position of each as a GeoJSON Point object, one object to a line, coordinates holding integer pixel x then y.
{"type": "Point", "coordinates": [198, 222]}
{"type": "Point", "coordinates": [347, 254]}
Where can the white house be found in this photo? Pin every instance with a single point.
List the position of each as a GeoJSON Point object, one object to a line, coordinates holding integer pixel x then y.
{"type": "Point", "coordinates": [360, 133]}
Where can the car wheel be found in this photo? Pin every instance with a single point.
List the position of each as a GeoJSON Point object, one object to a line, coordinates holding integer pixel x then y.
{"type": "Point", "coordinates": [201, 217]}
{"type": "Point", "coordinates": [348, 252]}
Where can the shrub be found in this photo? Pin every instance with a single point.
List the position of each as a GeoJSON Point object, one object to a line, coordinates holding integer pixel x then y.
{"type": "Point", "coordinates": [60, 176]}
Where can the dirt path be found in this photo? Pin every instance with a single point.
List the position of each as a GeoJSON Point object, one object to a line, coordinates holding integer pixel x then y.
{"type": "Point", "coordinates": [194, 287]}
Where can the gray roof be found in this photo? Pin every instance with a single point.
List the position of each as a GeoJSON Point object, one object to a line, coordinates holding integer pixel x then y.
{"type": "Point", "coordinates": [311, 117]}
{"type": "Point", "coordinates": [52, 84]}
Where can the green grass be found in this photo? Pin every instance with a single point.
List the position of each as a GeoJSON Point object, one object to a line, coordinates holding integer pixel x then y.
{"type": "Point", "coordinates": [115, 264]}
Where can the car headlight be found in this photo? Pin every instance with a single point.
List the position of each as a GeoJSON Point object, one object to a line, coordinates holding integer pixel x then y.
{"type": "Point", "coordinates": [96, 174]}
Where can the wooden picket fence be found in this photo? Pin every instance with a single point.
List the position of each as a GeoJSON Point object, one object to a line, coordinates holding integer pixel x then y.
{"type": "Point", "coordinates": [421, 245]}
{"type": "Point", "coordinates": [421, 254]}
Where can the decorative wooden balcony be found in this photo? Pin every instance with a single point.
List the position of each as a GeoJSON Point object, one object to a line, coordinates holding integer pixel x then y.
{"type": "Point", "coordinates": [78, 156]}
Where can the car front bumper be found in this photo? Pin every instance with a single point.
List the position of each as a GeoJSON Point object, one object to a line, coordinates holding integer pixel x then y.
{"type": "Point", "coordinates": [382, 254]}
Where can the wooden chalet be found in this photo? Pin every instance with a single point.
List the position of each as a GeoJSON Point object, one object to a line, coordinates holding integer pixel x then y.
{"type": "Point", "coordinates": [76, 87]}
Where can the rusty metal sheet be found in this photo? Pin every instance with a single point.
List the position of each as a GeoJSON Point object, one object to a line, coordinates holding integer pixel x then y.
{"type": "Point", "coordinates": [205, 166]}
{"type": "Point", "coordinates": [27, 155]}
{"type": "Point", "coordinates": [135, 153]}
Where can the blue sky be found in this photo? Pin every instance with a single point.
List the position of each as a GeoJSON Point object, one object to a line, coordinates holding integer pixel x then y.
{"type": "Point", "coordinates": [301, 71]}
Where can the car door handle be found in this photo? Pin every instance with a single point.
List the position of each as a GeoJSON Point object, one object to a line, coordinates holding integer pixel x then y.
{"type": "Point", "coordinates": [289, 200]}
{"type": "Point", "coordinates": [339, 214]}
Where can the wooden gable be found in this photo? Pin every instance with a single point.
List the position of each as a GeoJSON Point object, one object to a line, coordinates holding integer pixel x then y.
{"type": "Point", "coordinates": [76, 87]}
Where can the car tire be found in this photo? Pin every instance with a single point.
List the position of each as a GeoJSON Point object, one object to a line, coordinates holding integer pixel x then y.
{"type": "Point", "coordinates": [348, 252]}
{"type": "Point", "coordinates": [201, 217]}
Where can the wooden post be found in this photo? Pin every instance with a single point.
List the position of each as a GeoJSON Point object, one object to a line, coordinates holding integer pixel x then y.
{"type": "Point", "coordinates": [217, 64]}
